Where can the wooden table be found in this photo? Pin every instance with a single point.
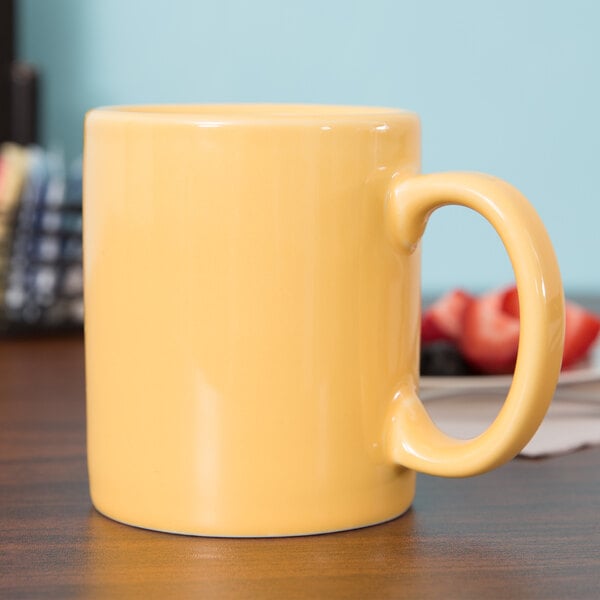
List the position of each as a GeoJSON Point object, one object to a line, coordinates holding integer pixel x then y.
{"type": "Point", "coordinates": [531, 529]}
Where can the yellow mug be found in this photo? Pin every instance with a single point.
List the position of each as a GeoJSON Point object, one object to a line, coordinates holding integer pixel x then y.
{"type": "Point", "coordinates": [252, 314]}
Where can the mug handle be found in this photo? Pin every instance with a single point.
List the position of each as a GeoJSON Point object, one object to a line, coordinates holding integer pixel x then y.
{"type": "Point", "coordinates": [412, 439]}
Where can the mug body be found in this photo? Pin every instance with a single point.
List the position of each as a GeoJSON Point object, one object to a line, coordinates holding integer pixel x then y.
{"type": "Point", "coordinates": [246, 318]}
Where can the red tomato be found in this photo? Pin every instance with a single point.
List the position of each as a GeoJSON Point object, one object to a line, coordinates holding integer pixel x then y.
{"type": "Point", "coordinates": [490, 335]}
{"type": "Point", "coordinates": [443, 320]}
{"type": "Point", "coordinates": [582, 329]}
{"type": "Point", "coordinates": [510, 302]}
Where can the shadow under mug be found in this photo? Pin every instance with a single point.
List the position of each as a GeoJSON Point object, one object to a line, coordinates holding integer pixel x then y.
{"type": "Point", "coordinates": [252, 317]}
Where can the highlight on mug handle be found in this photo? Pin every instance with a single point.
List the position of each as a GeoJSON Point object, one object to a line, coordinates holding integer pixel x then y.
{"type": "Point", "coordinates": [412, 439]}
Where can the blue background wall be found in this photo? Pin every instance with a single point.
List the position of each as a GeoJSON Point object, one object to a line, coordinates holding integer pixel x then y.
{"type": "Point", "coordinates": [511, 87]}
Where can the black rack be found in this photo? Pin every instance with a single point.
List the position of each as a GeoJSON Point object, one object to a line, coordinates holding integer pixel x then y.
{"type": "Point", "coordinates": [7, 56]}
{"type": "Point", "coordinates": [18, 85]}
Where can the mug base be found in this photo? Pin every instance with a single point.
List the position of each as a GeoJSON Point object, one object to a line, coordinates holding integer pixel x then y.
{"type": "Point", "coordinates": [257, 535]}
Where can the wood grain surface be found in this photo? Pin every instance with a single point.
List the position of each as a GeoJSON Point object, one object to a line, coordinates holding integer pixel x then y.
{"type": "Point", "coordinates": [530, 529]}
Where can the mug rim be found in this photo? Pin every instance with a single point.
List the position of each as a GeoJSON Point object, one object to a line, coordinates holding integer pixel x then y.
{"type": "Point", "coordinates": [215, 115]}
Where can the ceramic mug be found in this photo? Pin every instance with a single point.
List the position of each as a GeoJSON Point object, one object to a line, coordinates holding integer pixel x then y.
{"type": "Point", "coordinates": [252, 317]}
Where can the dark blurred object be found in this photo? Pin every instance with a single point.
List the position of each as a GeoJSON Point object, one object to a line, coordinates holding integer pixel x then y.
{"type": "Point", "coordinates": [18, 86]}
{"type": "Point", "coordinates": [7, 56]}
{"type": "Point", "coordinates": [23, 103]}
{"type": "Point", "coordinates": [443, 359]}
